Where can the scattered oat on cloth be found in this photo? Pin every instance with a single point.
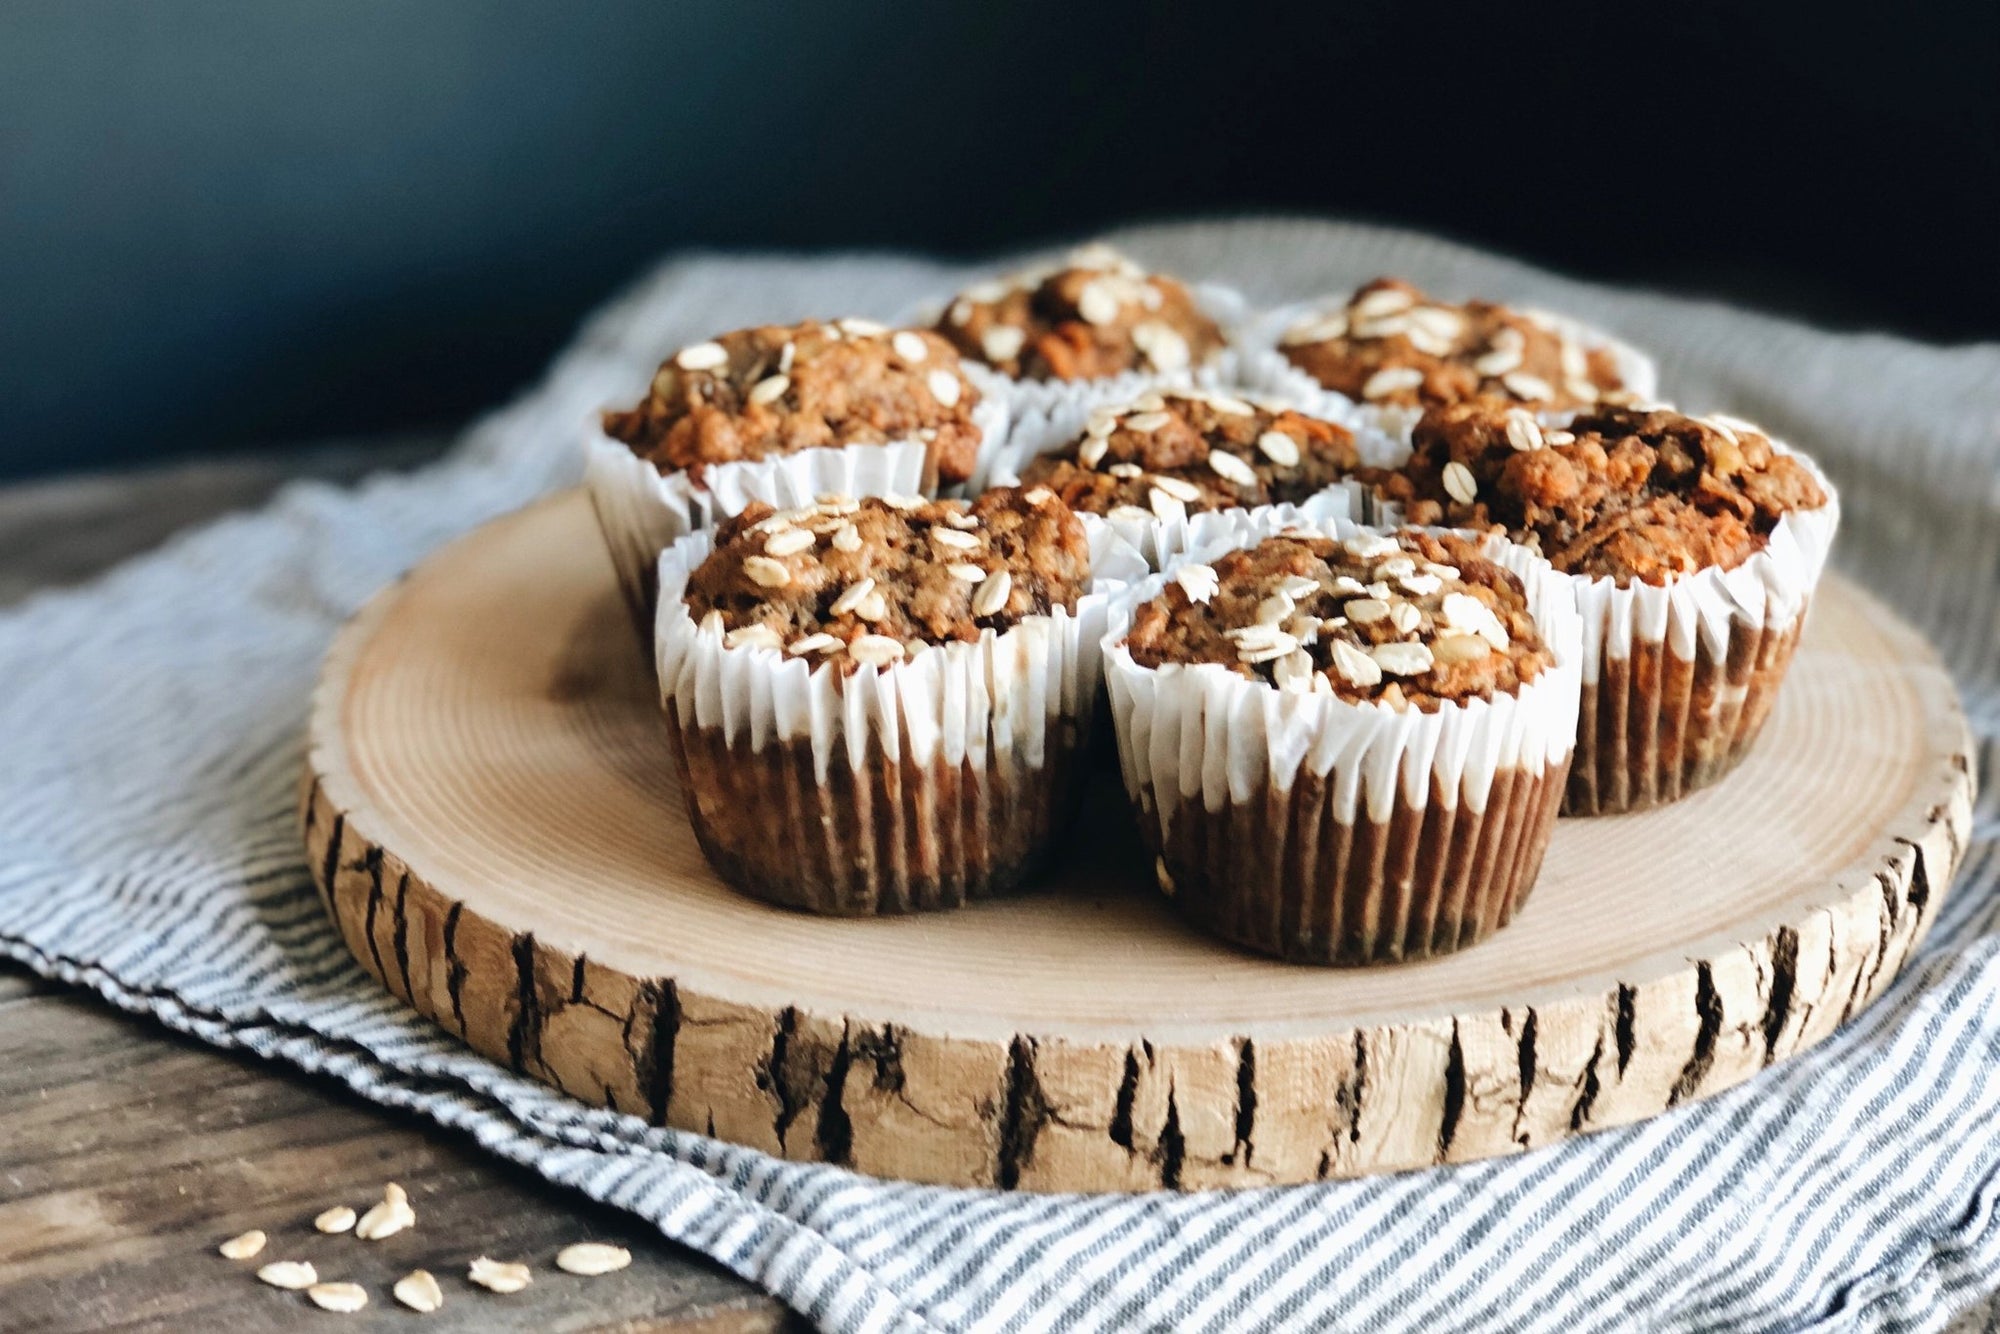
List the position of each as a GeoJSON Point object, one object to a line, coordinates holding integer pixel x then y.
{"type": "Point", "coordinates": [151, 733]}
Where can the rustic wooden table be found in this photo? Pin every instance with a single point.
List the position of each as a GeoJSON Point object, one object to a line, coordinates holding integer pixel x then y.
{"type": "Point", "coordinates": [127, 1152]}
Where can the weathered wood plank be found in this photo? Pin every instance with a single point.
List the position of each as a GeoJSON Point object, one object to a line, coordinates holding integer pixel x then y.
{"type": "Point", "coordinates": [127, 1153]}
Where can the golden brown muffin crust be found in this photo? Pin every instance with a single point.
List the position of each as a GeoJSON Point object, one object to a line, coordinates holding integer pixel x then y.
{"type": "Point", "coordinates": [1393, 345]}
{"type": "Point", "coordinates": [778, 389]}
{"type": "Point", "coordinates": [1409, 619]}
{"type": "Point", "coordinates": [1185, 452]}
{"type": "Point", "coordinates": [1100, 315]}
{"type": "Point", "coordinates": [878, 580]}
{"type": "Point", "coordinates": [1621, 493]}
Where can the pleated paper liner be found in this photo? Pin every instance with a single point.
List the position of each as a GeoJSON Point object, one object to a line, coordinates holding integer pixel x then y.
{"type": "Point", "coordinates": [1324, 830]}
{"type": "Point", "coordinates": [1654, 726]}
{"type": "Point", "coordinates": [891, 834]}
{"type": "Point", "coordinates": [926, 783]}
{"type": "Point", "coordinates": [1281, 875]}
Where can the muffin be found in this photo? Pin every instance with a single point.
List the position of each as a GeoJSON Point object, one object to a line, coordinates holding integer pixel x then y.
{"type": "Point", "coordinates": [781, 414]}
{"type": "Point", "coordinates": [1095, 316]}
{"type": "Point", "coordinates": [1148, 466]}
{"type": "Point", "coordinates": [1346, 746]}
{"type": "Point", "coordinates": [876, 705]}
{"type": "Point", "coordinates": [1396, 351]}
{"type": "Point", "coordinates": [1694, 544]}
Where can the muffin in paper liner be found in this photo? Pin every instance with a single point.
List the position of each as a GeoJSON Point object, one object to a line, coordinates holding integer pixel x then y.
{"type": "Point", "coordinates": [1259, 366]}
{"type": "Point", "coordinates": [1328, 831]}
{"type": "Point", "coordinates": [1678, 678]}
{"type": "Point", "coordinates": [1225, 305]}
{"type": "Point", "coordinates": [924, 784]}
{"type": "Point", "coordinates": [1222, 304]}
{"type": "Point", "coordinates": [642, 511]}
{"type": "Point", "coordinates": [1055, 421]}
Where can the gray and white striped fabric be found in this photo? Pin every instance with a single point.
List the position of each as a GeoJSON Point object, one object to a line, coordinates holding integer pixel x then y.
{"type": "Point", "coordinates": [152, 723]}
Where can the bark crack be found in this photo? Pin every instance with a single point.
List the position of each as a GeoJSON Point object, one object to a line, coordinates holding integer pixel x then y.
{"type": "Point", "coordinates": [455, 970]}
{"type": "Point", "coordinates": [373, 864]}
{"type": "Point", "coordinates": [1628, 1005]}
{"type": "Point", "coordinates": [1172, 1153]}
{"type": "Point", "coordinates": [1128, 1092]}
{"type": "Point", "coordinates": [1359, 1088]}
{"type": "Point", "coordinates": [524, 1035]}
{"type": "Point", "coordinates": [1454, 1094]}
{"type": "Point", "coordinates": [1885, 926]}
{"type": "Point", "coordinates": [1027, 1112]}
{"type": "Point", "coordinates": [1919, 892]}
{"type": "Point", "coordinates": [1525, 1060]}
{"type": "Point", "coordinates": [1588, 1087]}
{"type": "Point", "coordinates": [657, 1065]}
{"type": "Point", "coordinates": [775, 1079]}
{"type": "Point", "coordinates": [1784, 980]}
{"type": "Point", "coordinates": [330, 865]}
{"type": "Point", "coordinates": [833, 1131]}
{"type": "Point", "coordinates": [402, 923]}
{"type": "Point", "coordinates": [1708, 1006]}
{"type": "Point", "coordinates": [1246, 1102]}
{"type": "Point", "coordinates": [883, 1049]}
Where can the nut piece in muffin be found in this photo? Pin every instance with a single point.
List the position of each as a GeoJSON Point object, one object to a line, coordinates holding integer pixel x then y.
{"type": "Point", "coordinates": [862, 697]}
{"type": "Point", "coordinates": [879, 580]}
{"type": "Point", "coordinates": [778, 389]}
{"type": "Point", "coordinates": [1394, 346]}
{"type": "Point", "coordinates": [1180, 452]}
{"type": "Point", "coordinates": [1408, 619]}
{"type": "Point", "coordinates": [1630, 494]}
{"type": "Point", "coordinates": [1096, 315]}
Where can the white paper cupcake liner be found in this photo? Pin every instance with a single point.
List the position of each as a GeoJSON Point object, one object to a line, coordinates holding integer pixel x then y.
{"type": "Point", "coordinates": [924, 784]}
{"type": "Point", "coordinates": [1324, 830]}
{"type": "Point", "coordinates": [1260, 367]}
{"type": "Point", "coordinates": [1679, 678]}
{"type": "Point", "coordinates": [642, 511]}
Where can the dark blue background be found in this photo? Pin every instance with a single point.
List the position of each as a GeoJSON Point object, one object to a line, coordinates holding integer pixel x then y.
{"type": "Point", "coordinates": [227, 223]}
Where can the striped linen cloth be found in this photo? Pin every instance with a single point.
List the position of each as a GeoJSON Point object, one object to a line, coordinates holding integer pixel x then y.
{"type": "Point", "coordinates": [152, 734]}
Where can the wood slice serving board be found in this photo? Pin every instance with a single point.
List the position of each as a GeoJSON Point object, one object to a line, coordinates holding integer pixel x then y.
{"type": "Point", "coordinates": [494, 820]}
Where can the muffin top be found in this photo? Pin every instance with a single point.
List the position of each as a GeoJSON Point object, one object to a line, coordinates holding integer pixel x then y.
{"type": "Point", "coordinates": [1097, 315]}
{"type": "Point", "coordinates": [1394, 345]}
{"type": "Point", "coordinates": [882, 579]}
{"type": "Point", "coordinates": [1624, 493]}
{"type": "Point", "coordinates": [778, 389]}
{"type": "Point", "coordinates": [1407, 619]}
{"type": "Point", "coordinates": [1180, 452]}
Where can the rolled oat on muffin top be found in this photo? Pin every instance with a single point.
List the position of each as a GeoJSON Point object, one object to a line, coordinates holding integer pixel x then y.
{"type": "Point", "coordinates": [877, 580]}
{"type": "Point", "coordinates": [1393, 345]}
{"type": "Point", "coordinates": [1098, 314]}
{"type": "Point", "coordinates": [1408, 619]}
{"type": "Point", "coordinates": [779, 389]}
{"type": "Point", "coordinates": [1625, 493]}
{"type": "Point", "coordinates": [1179, 452]}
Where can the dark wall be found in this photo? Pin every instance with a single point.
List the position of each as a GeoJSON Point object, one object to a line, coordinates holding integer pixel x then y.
{"type": "Point", "coordinates": [235, 222]}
